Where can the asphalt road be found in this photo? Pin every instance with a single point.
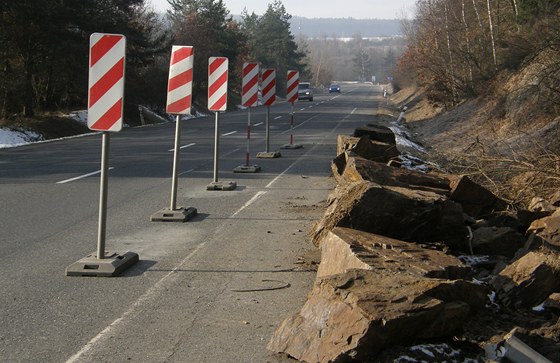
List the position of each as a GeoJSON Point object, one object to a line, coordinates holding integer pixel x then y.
{"type": "Point", "coordinates": [213, 289]}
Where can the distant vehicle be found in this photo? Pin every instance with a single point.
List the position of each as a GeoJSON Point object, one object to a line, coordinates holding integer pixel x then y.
{"type": "Point", "coordinates": [334, 88]}
{"type": "Point", "coordinates": [305, 92]}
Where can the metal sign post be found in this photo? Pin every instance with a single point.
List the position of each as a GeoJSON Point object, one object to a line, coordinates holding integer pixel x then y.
{"type": "Point", "coordinates": [179, 95]}
{"type": "Point", "coordinates": [217, 102]}
{"type": "Point", "coordinates": [105, 112]}
{"type": "Point", "coordinates": [249, 98]}
{"type": "Point", "coordinates": [269, 97]}
{"type": "Point", "coordinates": [292, 90]}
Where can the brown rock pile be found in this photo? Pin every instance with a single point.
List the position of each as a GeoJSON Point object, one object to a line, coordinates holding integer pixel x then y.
{"type": "Point", "coordinates": [392, 273]}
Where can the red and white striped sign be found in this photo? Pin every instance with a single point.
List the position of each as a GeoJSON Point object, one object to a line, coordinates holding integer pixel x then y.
{"type": "Point", "coordinates": [250, 84]}
{"type": "Point", "coordinates": [217, 83]}
{"type": "Point", "coordinates": [106, 81]}
{"type": "Point", "coordinates": [269, 86]}
{"type": "Point", "coordinates": [292, 87]}
{"type": "Point", "coordinates": [179, 86]}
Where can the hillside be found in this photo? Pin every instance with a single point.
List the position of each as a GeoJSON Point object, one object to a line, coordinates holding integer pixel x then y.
{"type": "Point", "coordinates": [507, 139]}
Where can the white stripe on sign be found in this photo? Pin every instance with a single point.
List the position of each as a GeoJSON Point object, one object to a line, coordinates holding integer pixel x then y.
{"type": "Point", "coordinates": [250, 84]}
{"type": "Point", "coordinates": [106, 81]}
{"type": "Point", "coordinates": [217, 83]}
{"type": "Point", "coordinates": [269, 86]}
{"type": "Point", "coordinates": [179, 85]}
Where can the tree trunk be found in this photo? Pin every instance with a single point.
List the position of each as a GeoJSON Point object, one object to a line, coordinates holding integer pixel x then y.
{"type": "Point", "coordinates": [491, 25]}
{"type": "Point", "coordinates": [451, 63]}
{"type": "Point", "coordinates": [467, 38]}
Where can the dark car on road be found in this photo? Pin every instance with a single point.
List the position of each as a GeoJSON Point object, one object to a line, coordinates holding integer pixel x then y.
{"type": "Point", "coordinates": [334, 88]}
{"type": "Point", "coordinates": [305, 92]}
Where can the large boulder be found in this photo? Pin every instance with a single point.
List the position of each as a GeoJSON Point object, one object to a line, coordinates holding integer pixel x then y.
{"type": "Point", "coordinates": [547, 230]}
{"type": "Point", "coordinates": [528, 281]}
{"type": "Point", "coordinates": [348, 168]}
{"type": "Point", "coordinates": [477, 201]}
{"type": "Point", "coordinates": [503, 241]}
{"type": "Point", "coordinates": [355, 315]}
{"type": "Point", "coordinates": [345, 143]}
{"type": "Point", "coordinates": [376, 133]}
{"type": "Point", "coordinates": [345, 249]}
{"type": "Point", "coordinates": [401, 213]}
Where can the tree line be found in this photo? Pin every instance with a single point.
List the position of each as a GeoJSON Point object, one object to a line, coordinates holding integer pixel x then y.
{"type": "Point", "coordinates": [44, 49]}
{"type": "Point", "coordinates": [456, 47]}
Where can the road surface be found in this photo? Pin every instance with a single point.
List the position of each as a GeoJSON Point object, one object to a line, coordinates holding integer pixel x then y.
{"type": "Point", "coordinates": [213, 289]}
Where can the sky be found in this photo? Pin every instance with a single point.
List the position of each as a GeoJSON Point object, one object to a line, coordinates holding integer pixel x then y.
{"type": "Point", "coordinates": [358, 9]}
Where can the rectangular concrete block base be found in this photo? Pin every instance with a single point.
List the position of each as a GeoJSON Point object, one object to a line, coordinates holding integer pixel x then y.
{"type": "Point", "coordinates": [292, 146]}
{"type": "Point", "coordinates": [222, 185]}
{"type": "Point", "coordinates": [181, 214]}
{"type": "Point", "coordinates": [112, 265]}
{"type": "Point", "coordinates": [247, 169]}
{"type": "Point", "coordinates": [268, 155]}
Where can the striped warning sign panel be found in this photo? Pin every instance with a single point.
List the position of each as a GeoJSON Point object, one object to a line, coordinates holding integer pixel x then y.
{"type": "Point", "coordinates": [217, 83]}
{"type": "Point", "coordinates": [179, 86]}
{"type": "Point", "coordinates": [250, 84]}
{"type": "Point", "coordinates": [106, 81]}
{"type": "Point", "coordinates": [292, 86]}
{"type": "Point", "coordinates": [269, 86]}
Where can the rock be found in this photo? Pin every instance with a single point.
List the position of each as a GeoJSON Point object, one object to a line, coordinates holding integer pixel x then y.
{"type": "Point", "coordinates": [345, 143]}
{"type": "Point", "coordinates": [553, 302]}
{"type": "Point", "coordinates": [376, 133]}
{"type": "Point", "coordinates": [502, 241]}
{"type": "Point", "coordinates": [401, 213]}
{"type": "Point", "coordinates": [375, 150]}
{"type": "Point", "coordinates": [547, 230]}
{"type": "Point", "coordinates": [528, 281]}
{"type": "Point", "coordinates": [476, 200]}
{"type": "Point", "coordinates": [355, 315]}
{"type": "Point", "coordinates": [538, 204]}
{"type": "Point", "coordinates": [344, 249]}
{"type": "Point", "coordinates": [354, 168]}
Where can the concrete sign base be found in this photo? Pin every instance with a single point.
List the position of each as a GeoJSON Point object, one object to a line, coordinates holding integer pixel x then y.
{"type": "Point", "coordinates": [247, 169]}
{"type": "Point", "coordinates": [268, 155]}
{"type": "Point", "coordinates": [182, 214]}
{"type": "Point", "coordinates": [222, 185]}
{"type": "Point", "coordinates": [112, 265]}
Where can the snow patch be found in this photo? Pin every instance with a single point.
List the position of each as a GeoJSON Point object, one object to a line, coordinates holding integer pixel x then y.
{"type": "Point", "coordinates": [17, 137]}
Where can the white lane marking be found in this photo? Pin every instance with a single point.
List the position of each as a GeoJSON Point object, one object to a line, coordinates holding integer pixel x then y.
{"type": "Point", "coordinates": [81, 177]}
{"type": "Point", "coordinates": [136, 308]}
{"type": "Point", "coordinates": [186, 172]}
{"type": "Point", "coordinates": [230, 133]}
{"type": "Point", "coordinates": [302, 109]}
{"type": "Point", "coordinates": [260, 123]}
{"type": "Point", "coordinates": [184, 146]}
{"type": "Point", "coordinates": [251, 201]}
{"type": "Point", "coordinates": [277, 117]}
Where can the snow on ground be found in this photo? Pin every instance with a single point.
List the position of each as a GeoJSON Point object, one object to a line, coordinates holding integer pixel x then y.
{"type": "Point", "coordinates": [12, 138]}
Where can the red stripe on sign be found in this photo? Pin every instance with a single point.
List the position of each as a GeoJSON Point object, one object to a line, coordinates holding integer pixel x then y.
{"type": "Point", "coordinates": [250, 84]}
{"type": "Point", "coordinates": [219, 103]}
{"type": "Point", "coordinates": [218, 83]}
{"type": "Point", "coordinates": [181, 54]}
{"type": "Point", "coordinates": [291, 75]}
{"type": "Point", "coordinates": [108, 80]}
{"type": "Point", "coordinates": [110, 117]}
{"type": "Point", "coordinates": [179, 105]}
{"type": "Point", "coordinates": [216, 64]}
{"type": "Point", "coordinates": [253, 99]}
{"type": "Point", "coordinates": [102, 47]}
{"type": "Point", "coordinates": [269, 86]}
{"type": "Point", "coordinates": [248, 68]}
{"type": "Point", "coordinates": [180, 80]}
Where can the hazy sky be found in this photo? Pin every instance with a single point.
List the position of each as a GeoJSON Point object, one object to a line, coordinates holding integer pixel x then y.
{"type": "Point", "coordinates": [359, 9]}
